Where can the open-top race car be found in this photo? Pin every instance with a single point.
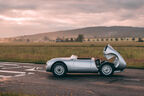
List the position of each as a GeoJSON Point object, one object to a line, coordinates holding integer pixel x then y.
{"type": "Point", "coordinates": [60, 66]}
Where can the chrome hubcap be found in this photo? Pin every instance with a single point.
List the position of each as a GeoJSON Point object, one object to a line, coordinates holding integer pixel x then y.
{"type": "Point", "coordinates": [59, 70]}
{"type": "Point", "coordinates": [106, 69]}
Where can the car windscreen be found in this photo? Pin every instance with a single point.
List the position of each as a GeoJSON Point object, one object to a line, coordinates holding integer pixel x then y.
{"type": "Point", "coordinates": [105, 48]}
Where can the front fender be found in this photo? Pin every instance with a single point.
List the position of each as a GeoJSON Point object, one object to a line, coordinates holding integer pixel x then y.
{"type": "Point", "coordinates": [49, 65]}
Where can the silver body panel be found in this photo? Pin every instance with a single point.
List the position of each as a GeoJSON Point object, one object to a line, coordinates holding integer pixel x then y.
{"type": "Point", "coordinates": [110, 52]}
{"type": "Point", "coordinates": [88, 65]}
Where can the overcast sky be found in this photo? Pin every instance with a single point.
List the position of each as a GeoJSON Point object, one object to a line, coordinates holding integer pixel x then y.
{"type": "Point", "coordinates": [21, 17]}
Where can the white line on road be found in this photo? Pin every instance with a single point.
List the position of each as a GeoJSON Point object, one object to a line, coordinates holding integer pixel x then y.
{"type": "Point", "coordinates": [5, 71]}
{"type": "Point", "coordinates": [3, 76]}
{"type": "Point", "coordinates": [12, 67]}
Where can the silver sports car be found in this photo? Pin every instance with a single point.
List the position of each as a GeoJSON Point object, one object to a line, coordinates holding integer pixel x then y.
{"type": "Point", "coordinates": [60, 66]}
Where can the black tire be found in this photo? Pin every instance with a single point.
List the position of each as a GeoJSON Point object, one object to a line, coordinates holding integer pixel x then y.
{"type": "Point", "coordinates": [59, 70]}
{"type": "Point", "coordinates": [107, 69]}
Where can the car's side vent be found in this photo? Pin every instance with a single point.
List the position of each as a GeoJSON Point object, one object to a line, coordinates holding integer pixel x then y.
{"type": "Point", "coordinates": [97, 62]}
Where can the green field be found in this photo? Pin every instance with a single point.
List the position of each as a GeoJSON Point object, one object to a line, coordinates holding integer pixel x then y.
{"type": "Point", "coordinates": [13, 94]}
{"type": "Point", "coordinates": [133, 52]}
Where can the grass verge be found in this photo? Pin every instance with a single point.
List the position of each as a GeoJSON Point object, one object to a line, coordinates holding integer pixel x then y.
{"type": "Point", "coordinates": [39, 53]}
{"type": "Point", "coordinates": [13, 94]}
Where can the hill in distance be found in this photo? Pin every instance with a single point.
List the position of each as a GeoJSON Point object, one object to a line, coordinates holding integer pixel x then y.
{"type": "Point", "coordinates": [90, 32]}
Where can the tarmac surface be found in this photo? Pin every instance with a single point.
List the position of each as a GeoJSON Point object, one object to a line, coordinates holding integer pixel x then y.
{"type": "Point", "coordinates": [30, 78]}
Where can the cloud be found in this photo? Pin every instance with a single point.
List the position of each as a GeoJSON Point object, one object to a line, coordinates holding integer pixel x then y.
{"type": "Point", "coordinates": [20, 17]}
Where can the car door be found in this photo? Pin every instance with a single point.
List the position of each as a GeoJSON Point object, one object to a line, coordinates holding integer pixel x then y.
{"type": "Point", "coordinates": [82, 65]}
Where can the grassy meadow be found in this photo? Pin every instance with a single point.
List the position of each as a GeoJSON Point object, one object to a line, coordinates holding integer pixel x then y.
{"type": "Point", "coordinates": [14, 94]}
{"type": "Point", "coordinates": [133, 52]}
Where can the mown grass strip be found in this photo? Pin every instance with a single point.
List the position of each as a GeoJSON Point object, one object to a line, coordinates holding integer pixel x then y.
{"type": "Point", "coordinates": [13, 94]}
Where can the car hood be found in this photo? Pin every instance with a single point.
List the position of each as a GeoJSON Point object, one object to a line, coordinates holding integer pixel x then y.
{"type": "Point", "coordinates": [51, 61]}
{"type": "Point", "coordinates": [63, 58]}
{"type": "Point", "coordinates": [110, 52]}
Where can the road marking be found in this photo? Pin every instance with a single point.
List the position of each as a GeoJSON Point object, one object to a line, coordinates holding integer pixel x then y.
{"type": "Point", "coordinates": [6, 71]}
{"type": "Point", "coordinates": [11, 64]}
{"type": "Point", "coordinates": [23, 74]}
{"type": "Point", "coordinates": [28, 66]}
{"type": "Point", "coordinates": [36, 69]}
{"type": "Point", "coordinates": [6, 66]}
{"type": "Point", "coordinates": [3, 76]}
{"type": "Point", "coordinates": [132, 79]}
{"type": "Point", "coordinates": [12, 67]}
{"type": "Point", "coordinates": [32, 69]}
{"type": "Point", "coordinates": [29, 73]}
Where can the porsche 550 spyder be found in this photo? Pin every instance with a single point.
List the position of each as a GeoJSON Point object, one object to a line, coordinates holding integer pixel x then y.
{"type": "Point", "coordinates": [60, 66]}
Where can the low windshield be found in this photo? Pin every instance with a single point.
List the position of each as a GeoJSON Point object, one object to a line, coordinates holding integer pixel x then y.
{"type": "Point", "coordinates": [74, 57]}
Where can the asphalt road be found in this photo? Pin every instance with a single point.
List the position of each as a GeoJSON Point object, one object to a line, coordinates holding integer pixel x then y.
{"type": "Point", "coordinates": [32, 79]}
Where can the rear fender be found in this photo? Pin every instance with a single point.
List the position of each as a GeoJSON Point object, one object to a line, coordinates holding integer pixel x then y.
{"type": "Point", "coordinates": [109, 53]}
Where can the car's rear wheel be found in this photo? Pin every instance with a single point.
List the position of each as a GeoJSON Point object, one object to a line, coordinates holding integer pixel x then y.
{"type": "Point", "coordinates": [59, 70]}
{"type": "Point", "coordinates": [106, 69]}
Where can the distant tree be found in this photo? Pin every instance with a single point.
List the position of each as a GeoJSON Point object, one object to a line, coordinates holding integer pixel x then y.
{"type": "Point", "coordinates": [140, 40]}
{"type": "Point", "coordinates": [80, 38]}
{"type": "Point", "coordinates": [59, 39]}
{"type": "Point", "coordinates": [71, 39]}
{"type": "Point", "coordinates": [116, 39]}
{"type": "Point", "coordinates": [27, 40]}
{"type": "Point", "coordinates": [45, 38]}
{"type": "Point", "coordinates": [66, 40]}
{"type": "Point", "coordinates": [122, 39]}
{"type": "Point", "coordinates": [133, 38]}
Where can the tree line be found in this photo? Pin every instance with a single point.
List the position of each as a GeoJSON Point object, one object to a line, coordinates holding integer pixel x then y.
{"type": "Point", "coordinates": [79, 38]}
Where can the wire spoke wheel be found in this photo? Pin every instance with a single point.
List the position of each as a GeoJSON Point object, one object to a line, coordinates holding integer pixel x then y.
{"type": "Point", "coordinates": [59, 70]}
{"type": "Point", "coordinates": [106, 69]}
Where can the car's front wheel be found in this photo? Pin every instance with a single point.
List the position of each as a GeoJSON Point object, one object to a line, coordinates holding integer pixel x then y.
{"type": "Point", "coordinates": [106, 69]}
{"type": "Point", "coordinates": [59, 70]}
